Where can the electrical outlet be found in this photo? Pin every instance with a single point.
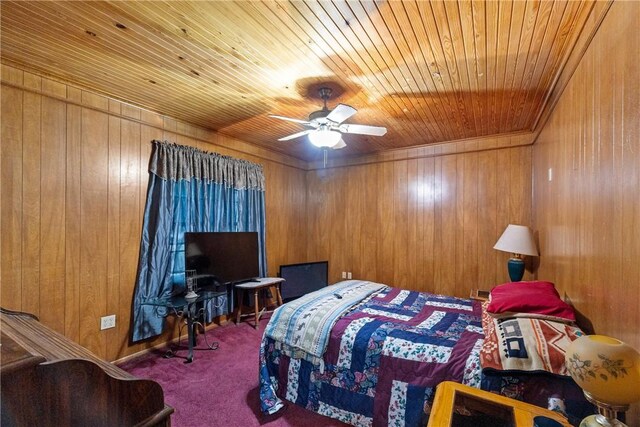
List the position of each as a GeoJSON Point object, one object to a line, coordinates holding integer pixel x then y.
{"type": "Point", "coordinates": [348, 275]}
{"type": "Point", "coordinates": [344, 274]}
{"type": "Point", "coordinates": [108, 322]}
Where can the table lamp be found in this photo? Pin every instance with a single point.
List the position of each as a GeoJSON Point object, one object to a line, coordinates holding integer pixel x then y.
{"type": "Point", "coordinates": [608, 371]}
{"type": "Point", "coordinates": [191, 282]}
{"type": "Point", "coordinates": [518, 240]}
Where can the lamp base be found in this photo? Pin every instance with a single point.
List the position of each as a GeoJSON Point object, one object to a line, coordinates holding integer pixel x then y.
{"type": "Point", "coordinates": [516, 269]}
{"type": "Point", "coordinates": [601, 421]}
{"type": "Point", "coordinates": [191, 296]}
{"type": "Point", "coordinates": [607, 416]}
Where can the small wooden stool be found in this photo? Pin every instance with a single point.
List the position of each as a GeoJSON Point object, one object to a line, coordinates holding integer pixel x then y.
{"type": "Point", "coordinates": [256, 287]}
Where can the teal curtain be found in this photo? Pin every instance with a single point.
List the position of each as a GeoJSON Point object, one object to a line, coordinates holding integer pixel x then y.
{"type": "Point", "coordinates": [191, 190]}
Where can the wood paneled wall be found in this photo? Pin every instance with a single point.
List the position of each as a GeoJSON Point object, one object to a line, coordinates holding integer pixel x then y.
{"type": "Point", "coordinates": [74, 181]}
{"type": "Point", "coordinates": [426, 222]}
{"type": "Point", "coordinates": [588, 215]}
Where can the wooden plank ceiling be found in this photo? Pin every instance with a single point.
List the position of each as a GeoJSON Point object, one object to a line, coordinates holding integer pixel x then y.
{"type": "Point", "coordinates": [428, 71]}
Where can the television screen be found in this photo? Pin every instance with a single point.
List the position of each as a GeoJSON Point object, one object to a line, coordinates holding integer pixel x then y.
{"type": "Point", "coordinates": [300, 279]}
{"type": "Point", "coordinates": [222, 257]}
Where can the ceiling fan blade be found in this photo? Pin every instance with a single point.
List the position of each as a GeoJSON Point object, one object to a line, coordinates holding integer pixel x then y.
{"type": "Point", "coordinates": [295, 135]}
{"type": "Point", "coordinates": [364, 129]}
{"type": "Point", "coordinates": [341, 113]}
{"type": "Point", "coordinates": [339, 145]}
{"type": "Point", "coordinates": [289, 119]}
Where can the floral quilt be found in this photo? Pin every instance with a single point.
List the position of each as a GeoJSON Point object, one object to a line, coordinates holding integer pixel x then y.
{"type": "Point", "coordinates": [383, 360]}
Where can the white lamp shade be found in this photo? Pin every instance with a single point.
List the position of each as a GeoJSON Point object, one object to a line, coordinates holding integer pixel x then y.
{"type": "Point", "coordinates": [325, 138]}
{"type": "Point", "coordinates": [517, 239]}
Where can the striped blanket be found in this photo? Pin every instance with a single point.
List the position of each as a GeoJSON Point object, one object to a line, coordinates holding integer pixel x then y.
{"type": "Point", "coordinates": [302, 326]}
{"type": "Point", "coordinates": [525, 344]}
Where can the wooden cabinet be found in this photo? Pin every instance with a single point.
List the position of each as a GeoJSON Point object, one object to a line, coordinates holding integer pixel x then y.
{"type": "Point", "coordinates": [48, 380]}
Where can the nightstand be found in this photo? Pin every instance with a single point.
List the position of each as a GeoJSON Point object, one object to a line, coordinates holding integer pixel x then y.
{"type": "Point", "coordinates": [479, 295]}
{"type": "Point", "coordinates": [460, 405]}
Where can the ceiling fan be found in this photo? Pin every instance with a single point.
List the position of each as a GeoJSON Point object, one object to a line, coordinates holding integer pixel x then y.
{"type": "Point", "coordinates": [326, 126]}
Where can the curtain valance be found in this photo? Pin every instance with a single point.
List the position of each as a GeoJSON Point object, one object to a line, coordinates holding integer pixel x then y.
{"type": "Point", "coordinates": [175, 162]}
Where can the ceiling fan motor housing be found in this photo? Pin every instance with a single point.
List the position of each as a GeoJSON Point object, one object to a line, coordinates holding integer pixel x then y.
{"type": "Point", "coordinates": [325, 93]}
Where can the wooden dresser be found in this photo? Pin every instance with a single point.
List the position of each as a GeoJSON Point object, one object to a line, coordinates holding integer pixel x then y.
{"type": "Point", "coordinates": [48, 380]}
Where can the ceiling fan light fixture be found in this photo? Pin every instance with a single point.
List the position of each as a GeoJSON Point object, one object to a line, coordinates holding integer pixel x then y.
{"type": "Point", "coordinates": [325, 138]}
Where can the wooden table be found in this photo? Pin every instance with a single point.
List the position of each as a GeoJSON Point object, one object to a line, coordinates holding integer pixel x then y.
{"type": "Point", "coordinates": [255, 287]}
{"type": "Point", "coordinates": [454, 402]}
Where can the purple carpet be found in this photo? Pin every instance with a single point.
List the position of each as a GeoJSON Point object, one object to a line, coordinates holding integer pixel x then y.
{"type": "Point", "coordinates": [220, 387]}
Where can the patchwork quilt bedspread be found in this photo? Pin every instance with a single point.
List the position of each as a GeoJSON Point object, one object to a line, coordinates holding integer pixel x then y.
{"type": "Point", "coordinates": [382, 362]}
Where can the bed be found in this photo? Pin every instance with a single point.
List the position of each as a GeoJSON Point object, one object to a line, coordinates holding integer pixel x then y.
{"type": "Point", "coordinates": [369, 354]}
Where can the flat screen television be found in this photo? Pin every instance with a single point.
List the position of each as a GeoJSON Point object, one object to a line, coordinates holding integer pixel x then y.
{"type": "Point", "coordinates": [300, 279]}
{"type": "Point", "coordinates": [222, 257]}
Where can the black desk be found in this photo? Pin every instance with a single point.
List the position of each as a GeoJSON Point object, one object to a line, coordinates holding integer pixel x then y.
{"type": "Point", "coordinates": [191, 311]}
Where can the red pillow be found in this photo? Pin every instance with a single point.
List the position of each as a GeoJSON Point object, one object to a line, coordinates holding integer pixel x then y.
{"type": "Point", "coordinates": [538, 299]}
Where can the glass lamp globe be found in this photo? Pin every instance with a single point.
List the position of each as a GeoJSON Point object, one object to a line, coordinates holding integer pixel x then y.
{"type": "Point", "coordinates": [608, 371]}
{"type": "Point", "coordinates": [325, 138]}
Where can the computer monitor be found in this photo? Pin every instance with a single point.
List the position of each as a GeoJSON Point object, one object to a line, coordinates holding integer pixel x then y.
{"type": "Point", "coordinates": [300, 279]}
